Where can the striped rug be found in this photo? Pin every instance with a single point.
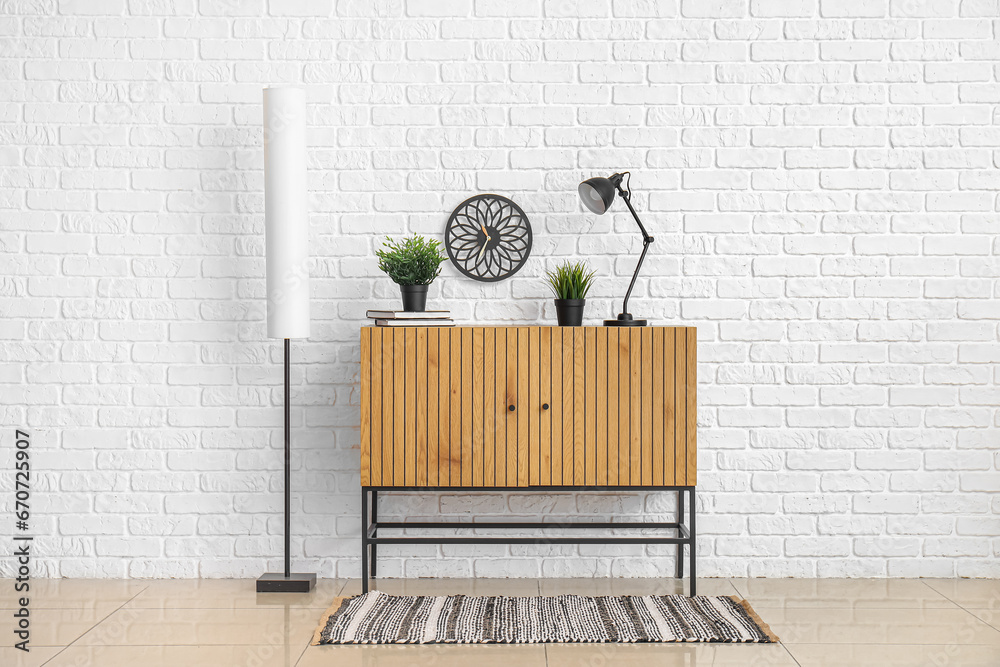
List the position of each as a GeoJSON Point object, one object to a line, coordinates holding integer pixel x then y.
{"type": "Point", "coordinates": [379, 618]}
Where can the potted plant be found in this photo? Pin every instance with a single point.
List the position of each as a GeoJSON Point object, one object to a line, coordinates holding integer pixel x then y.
{"type": "Point", "coordinates": [413, 264]}
{"type": "Point", "coordinates": [570, 283]}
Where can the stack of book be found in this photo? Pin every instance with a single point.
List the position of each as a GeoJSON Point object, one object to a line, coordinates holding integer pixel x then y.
{"type": "Point", "coordinates": [402, 318]}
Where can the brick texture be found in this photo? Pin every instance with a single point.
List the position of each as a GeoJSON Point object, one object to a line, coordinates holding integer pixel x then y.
{"type": "Point", "coordinates": [820, 176]}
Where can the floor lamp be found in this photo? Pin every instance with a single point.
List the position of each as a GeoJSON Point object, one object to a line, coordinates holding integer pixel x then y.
{"type": "Point", "coordinates": [286, 229]}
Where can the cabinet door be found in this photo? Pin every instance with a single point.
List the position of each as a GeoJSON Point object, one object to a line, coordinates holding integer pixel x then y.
{"type": "Point", "coordinates": [622, 407]}
{"type": "Point", "coordinates": [434, 407]}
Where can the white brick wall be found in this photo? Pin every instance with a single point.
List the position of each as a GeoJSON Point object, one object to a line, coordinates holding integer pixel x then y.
{"type": "Point", "coordinates": [820, 176]}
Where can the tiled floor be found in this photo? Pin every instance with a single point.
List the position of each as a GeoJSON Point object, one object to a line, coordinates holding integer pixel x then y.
{"type": "Point", "coordinates": [821, 622]}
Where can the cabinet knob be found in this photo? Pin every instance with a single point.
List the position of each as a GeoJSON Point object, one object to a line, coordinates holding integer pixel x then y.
{"type": "Point", "coordinates": [545, 406]}
{"type": "Point", "coordinates": [511, 408]}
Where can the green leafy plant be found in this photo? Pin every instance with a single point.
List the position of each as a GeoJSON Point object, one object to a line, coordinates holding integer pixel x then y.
{"type": "Point", "coordinates": [412, 261]}
{"type": "Point", "coordinates": [571, 281]}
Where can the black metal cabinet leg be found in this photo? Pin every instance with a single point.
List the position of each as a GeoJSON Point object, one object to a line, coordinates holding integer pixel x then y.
{"type": "Point", "coordinates": [364, 539]}
{"type": "Point", "coordinates": [680, 522]}
{"type": "Point", "coordinates": [691, 547]}
{"type": "Point", "coordinates": [374, 547]}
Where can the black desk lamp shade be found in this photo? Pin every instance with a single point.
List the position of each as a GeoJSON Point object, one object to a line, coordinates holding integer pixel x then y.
{"type": "Point", "coordinates": [597, 194]}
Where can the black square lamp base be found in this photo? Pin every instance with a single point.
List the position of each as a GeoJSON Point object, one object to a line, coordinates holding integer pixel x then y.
{"type": "Point", "coordinates": [296, 582]}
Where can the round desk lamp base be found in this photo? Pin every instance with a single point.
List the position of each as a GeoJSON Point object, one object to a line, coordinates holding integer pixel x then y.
{"type": "Point", "coordinates": [624, 320]}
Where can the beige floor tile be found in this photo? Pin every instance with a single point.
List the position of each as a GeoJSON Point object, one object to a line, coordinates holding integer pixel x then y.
{"type": "Point", "coordinates": [988, 616]}
{"type": "Point", "coordinates": [895, 655]}
{"type": "Point", "coordinates": [447, 586]}
{"type": "Point", "coordinates": [229, 594]}
{"type": "Point", "coordinates": [178, 656]}
{"type": "Point", "coordinates": [841, 593]}
{"type": "Point", "coordinates": [37, 656]}
{"type": "Point", "coordinates": [106, 594]}
{"type": "Point", "coordinates": [669, 655]}
{"type": "Point", "coordinates": [61, 627]}
{"type": "Point", "coordinates": [413, 656]}
{"type": "Point", "coordinates": [978, 593]}
{"type": "Point", "coordinates": [876, 626]}
{"type": "Point", "coordinates": [607, 586]}
{"type": "Point", "coordinates": [210, 627]}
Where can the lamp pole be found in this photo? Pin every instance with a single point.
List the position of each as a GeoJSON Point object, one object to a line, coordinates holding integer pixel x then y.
{"type": "Point", "coordinates": [288, 464]}
{"type": "Point", "coordinates": [647, 240]}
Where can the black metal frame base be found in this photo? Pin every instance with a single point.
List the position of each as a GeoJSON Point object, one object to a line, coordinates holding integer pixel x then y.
{"type": "Point", "coordinates": [295, 582]}
{"type": "Point", "coordinates": [370, 525]}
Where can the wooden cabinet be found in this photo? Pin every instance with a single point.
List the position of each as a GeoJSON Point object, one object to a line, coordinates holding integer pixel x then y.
{"type": "Point", "coordinates": [528, 406]}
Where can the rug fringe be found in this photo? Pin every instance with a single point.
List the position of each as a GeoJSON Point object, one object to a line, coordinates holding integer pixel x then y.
{"type": "Point", "coordinates": [331, 610]}
{"type": "Point", "coordinates": [756, 619]}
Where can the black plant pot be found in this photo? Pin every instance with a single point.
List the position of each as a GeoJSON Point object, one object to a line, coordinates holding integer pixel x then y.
{"type": "Point", "coordinates": [569, 312]}
{"type": "Point", "coordinates": [414, 298]}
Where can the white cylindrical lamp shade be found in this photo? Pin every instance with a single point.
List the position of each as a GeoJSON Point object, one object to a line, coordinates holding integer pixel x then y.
{"type": "Point", "coordinates": [286, 220]}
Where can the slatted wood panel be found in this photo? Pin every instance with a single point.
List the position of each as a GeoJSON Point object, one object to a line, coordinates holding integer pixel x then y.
{"type": "Point", "coordinates": [601, 397]}
{"type": "Point", "coordinates": [555, 408]}
{"type": "Point", "coordinates": [466, 396]}
{"type": "Point", "coordinates": [680, 397]}
{"type": "Point", "coordinates": [566, 400]}
{"type": "Point", "coordinates": [579, 408]}
{"type": "Point", "coordinates": [533, 409]}
{"type": "Point", "coordinates": [420, 400]}
{"type": "Point", "coordinates": [499, 406]}
{"type": "Point", "coordinates": [545, 399]}
{"type": "Point", "coordinates": [691, 407]}
{"type": "Point", "coordinates": [455, 396]}
{"type": "Point", "coordinates": [478, 394]}
{"type": "Point", "coordinates": [366, 407]}
{"type": "Point", "coordinates": [409, 402]}
{"type": "Point", "coordinates": [444, 408]}
{"type": "Point", "coordinates": [590, 404]}
{"type": "Point", "coordinates": [669, 363]}
{"type": "Point", "coordinates": [613, 400]}
{"type": "Point", "coordinates": [510, 416]}
{"type": "Point", "coordinates": [622, 406]}
{"type": "Point", "coordinates": [433, 407]}
{"type": "Point", "coordinates": [398, 409]}
{"type": "Point", "coordinates": [381, 446]}
{"type": "Point", "coordinates": [646, 416]}
{"type": "Point", "coordinates": [522, 406]}
{"type": "Point", "coordinates": [657, 410]}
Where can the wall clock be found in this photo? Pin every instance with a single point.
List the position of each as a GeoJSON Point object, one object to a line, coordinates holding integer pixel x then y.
{"type": "Point", "coordinates": [488, 238]}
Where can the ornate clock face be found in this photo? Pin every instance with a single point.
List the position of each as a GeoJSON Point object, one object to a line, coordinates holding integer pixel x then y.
{"type": "Point", "coordinates": [488, 238]}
